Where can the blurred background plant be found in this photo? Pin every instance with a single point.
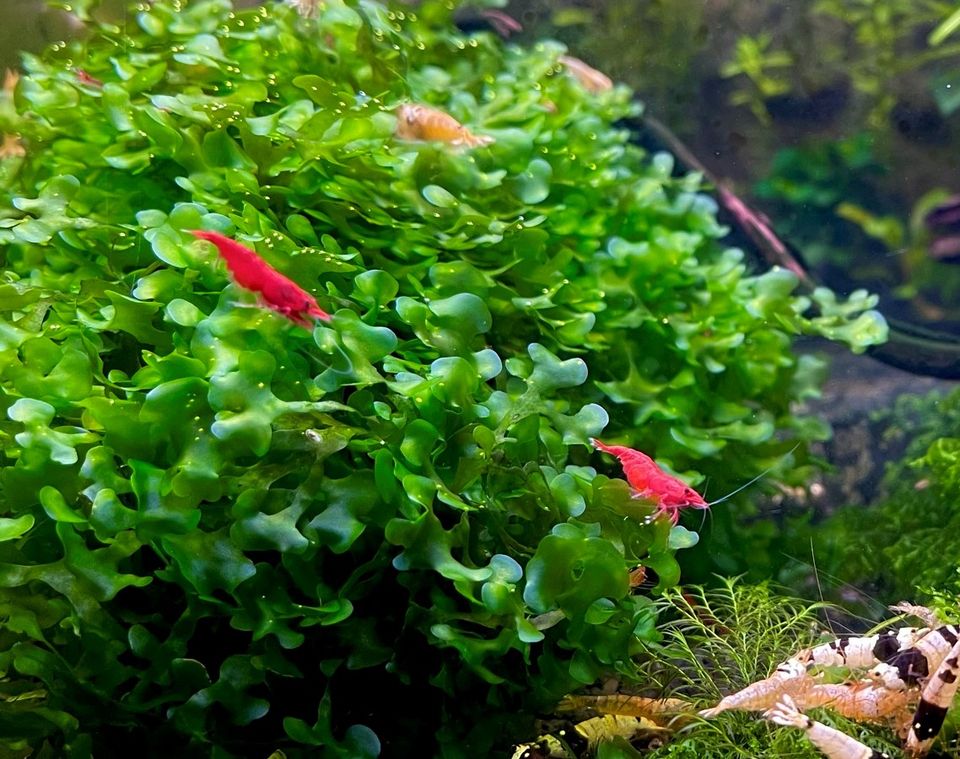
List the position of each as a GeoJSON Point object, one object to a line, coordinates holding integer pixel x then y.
{"type": "Point", "coordinates": [759, 88]}
{"type": "Point", "coordinates": [763, 68]}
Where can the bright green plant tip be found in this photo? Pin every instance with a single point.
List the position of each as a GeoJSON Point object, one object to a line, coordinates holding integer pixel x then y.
{"type": "Point", "coordinates": [11, 529]}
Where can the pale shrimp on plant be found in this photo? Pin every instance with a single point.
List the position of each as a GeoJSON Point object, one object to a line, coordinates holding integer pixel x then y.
{"type": "Point", "coordinates": [421, 122]}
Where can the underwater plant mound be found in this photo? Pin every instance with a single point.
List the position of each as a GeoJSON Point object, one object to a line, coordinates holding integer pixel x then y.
{"type": "Point", "coordinates": [222, 532]}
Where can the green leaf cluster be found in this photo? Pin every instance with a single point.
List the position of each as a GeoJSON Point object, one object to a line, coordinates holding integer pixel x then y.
{"type": "Point", "coordinates": [875, 44]}
{"type": "Point", "coordinates": [224, 532]}
{"type": "Point", "coordinates": [763, 68]}
{"type": "Point", "coordinates": [833, 205]}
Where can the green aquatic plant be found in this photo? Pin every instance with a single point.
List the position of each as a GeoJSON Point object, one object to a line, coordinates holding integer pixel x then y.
{"type": "Point", "coordinates": [829, 202]}
{"type": "Point", "coordinates": [716, 642]}
{"type": "Point", "coordinates": [763, 68]}
{"type": "Point", "coordinates": [914, 269]}
{"type": "Point", "coordinates": [806, 182]}
{"type": "Point", "coordinates": [827, 196]}
{"type": "Point", "coordinates": [882, 32]}
{"type": "Point", "coordinates": [903, 541]}
{"type": "Point", "coordinates": [223, 534]}
{"type": "Point", "coordinates": [872, 42]}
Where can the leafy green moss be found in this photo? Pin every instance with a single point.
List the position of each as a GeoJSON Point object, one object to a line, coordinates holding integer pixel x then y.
{"type": "Point", "coordinates": [225, 532]}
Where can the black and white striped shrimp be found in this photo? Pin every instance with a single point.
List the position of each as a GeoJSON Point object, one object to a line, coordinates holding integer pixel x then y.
{"type": "Point", "coordinates": [935, 700]}
{"type": "Point", "coordinates": [860, 652]}
{"type": "Point", "coordinates": [936, 652]}
{"type": "Point", "coordinates": [907, 667]}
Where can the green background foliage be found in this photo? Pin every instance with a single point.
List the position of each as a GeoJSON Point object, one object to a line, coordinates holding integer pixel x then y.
{"type": "Point", "coordinates": [852, 145]}
{"type": "Point", "coordinates": [224, 535]}
{"type": "Point", "coordinates": [905, 541]}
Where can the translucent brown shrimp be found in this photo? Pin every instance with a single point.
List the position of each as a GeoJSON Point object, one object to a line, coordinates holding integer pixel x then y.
{"type": "Point", "coordinates": [420, 122]}
{"type": "Point", "coordinates": [590, 79]}
{"type": "Point", "coordinates": [11, 147]}
{"type": "Point", "coordinates": [624, 705]}
{"type": "Point", "coordinates": [791, 679]}
{"type": "Point", "coordinates": [862, 701]}
{"type": "Point", "coordinates": [583, 738]}
{"type": "Point", "coordinates": [306, 8]}
{"type": "Point", "coordinates": [10, 79]}
{"type": "Point", "coordinates": [929, 617]}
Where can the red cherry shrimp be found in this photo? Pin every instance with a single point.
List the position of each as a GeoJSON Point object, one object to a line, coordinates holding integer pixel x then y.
{"type": "Point", "coordinates": [669, 493]}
